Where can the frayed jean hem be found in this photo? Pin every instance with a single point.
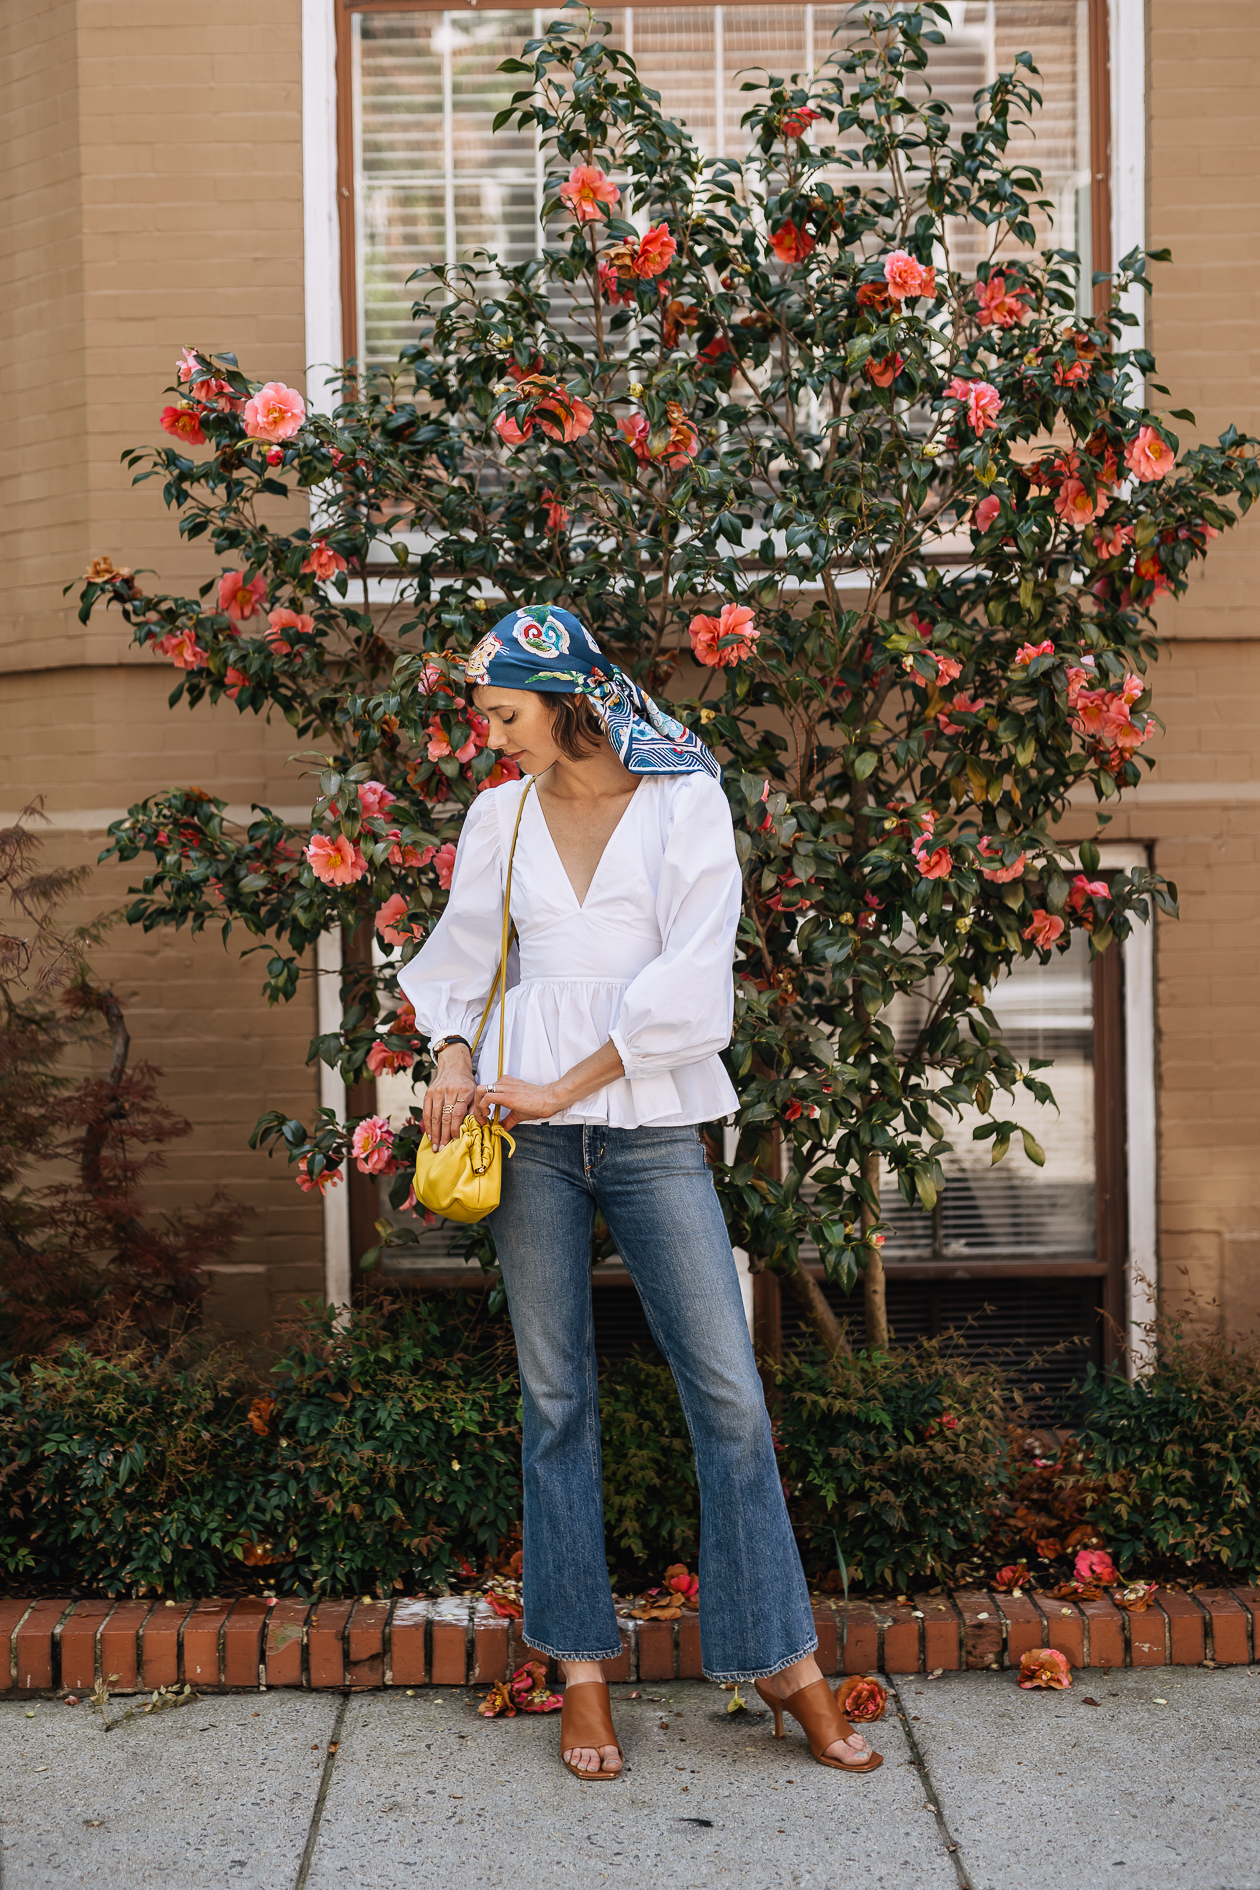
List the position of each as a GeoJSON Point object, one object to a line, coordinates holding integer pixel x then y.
{"type": "Point", "coordinates": [560, 1653]}
{"type": "Point", "coordinates": [764, 1673]}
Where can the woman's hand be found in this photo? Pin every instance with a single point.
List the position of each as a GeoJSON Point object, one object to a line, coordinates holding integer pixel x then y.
{"type": "Point", "coordinates": [524, 1102]}
{"type": "Point", "coordinates": [538, 1102]}
{"type": "Point", "coordinates": [450, 1095]}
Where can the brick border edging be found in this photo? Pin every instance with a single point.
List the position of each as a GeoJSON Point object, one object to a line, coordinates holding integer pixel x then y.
{"type": "Point", "coordinates": [136, 1646]}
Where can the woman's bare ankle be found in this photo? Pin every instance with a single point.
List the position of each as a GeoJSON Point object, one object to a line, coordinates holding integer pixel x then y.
{"type": "Point", "coordinates": [577, 1672]}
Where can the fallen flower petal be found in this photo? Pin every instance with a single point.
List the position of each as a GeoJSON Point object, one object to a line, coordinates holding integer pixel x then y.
{"type": "Point", "coordinates": [1044, 1667]}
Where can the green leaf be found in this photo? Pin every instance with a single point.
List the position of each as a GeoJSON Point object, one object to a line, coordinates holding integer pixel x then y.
{"type": "Point", "coordinates": [1033, 1148]}
{"type": "Point", "coordinates": [865, 764]}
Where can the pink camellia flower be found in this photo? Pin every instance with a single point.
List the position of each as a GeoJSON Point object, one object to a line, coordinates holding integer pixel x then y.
{"type": "Point", "coordinates": [1112, 540]}
{"type": "Point", "coordinates": [234, 681]}
{"type": "Point", "coordinates": [557, 514]}
{"type": "Point", "coordinates": [999, 875]}
{"type": "Point", "coordinates": [384, 1060]}
{"type": "Point", "coordinates": [562, 416]}
{"type": "Point", "coordinates": [444, 862]}
{"type": "Point", "coordinates": [278, 621]}
{"type": "Point", "coordinates": [400, 855]}
{"type": "Point", "coordinates": [275, 456]}
{"type": "Point", "coordinates": [503, 770]}
{"type": "Point", "coordinates": [998, 306]}
{"type": "Point", "coordinates": [1070, 373]}
{"type": "Point", "coordinates": [612, 288]}
{"type": "Point", "coordinates": [372, 1146]}
{"type": "Point", "coordinates": [907, 278]}
{"type": "Point", "coordinates": [1096, 1565]}
{"type": "Point", "coordinates": [1149, 456]}
{"type": "Point", "coordinates": [1081, 899]}
{"type": "Point", "coordinates": [654, 252]}
{"type": "Point", "coordinates": [676, 450]}
{"type": "Point", "coordinates": [276, 412]}
{"type": "Point", "coordinates": [1029, 652]}
{"type": "Point", "coordinates": [797, 122]}
{"type": "Point", "coordinates": [334, 859]}
{"type": "Point", "coordinates": [185, 424]}
{"type": "Point", "coordinates": [387, 917]}
{"type": "Point", "coordinates": [374, 798]}
{"type": "Point", "coordinates": [707, 634]}
{"type": "Point", "coordinates": [791, 244]}
{"type": "Point", "coordinates": [1150, 568]}
{"type": "Point", "coordinates": [316, 1184]}
{"type": "Point", "coordinates": [984, 403]}
{"type": "Point", "coordinates": [967, 704]}
{"type": "Point", "coordinates": [934, 863]}
{"type": "Point", "coordinates": [510, 433]}
{"type": "Point", "coordinates": [183, 649]}
{"type": "Point", "coordinates": [1045, 1667]}
{"type": "Point", "coordinates": [948, 669]}
{"type": "Point", "coordinates": [986, 512]}
{"type": "Point", "coordinates": [885, 372]}
{"type": "Point", "coordinates": [1074, 505]}
{"type": "Point", "coordinates": [587, 188]}
{"type": "Point", "coordinates": [240, 600]}
{"type": "Point", "coordinates": [187, 368]}
{"type": "Point", "coordinates": [1045, 928]}
{"type": "Point", "coordinates": [322, 561]}
{"type": "Point", "coordinates": [440, 743]}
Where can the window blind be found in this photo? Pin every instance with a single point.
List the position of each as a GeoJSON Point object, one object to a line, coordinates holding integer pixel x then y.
{"type": "Point", "coordinates": [433, 185]}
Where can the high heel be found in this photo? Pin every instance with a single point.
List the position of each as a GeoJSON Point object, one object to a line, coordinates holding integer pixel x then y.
{"type": "Point", "coordinates": [585, 1720]}
{"type": "Point", "coordinates": [817, 1710]}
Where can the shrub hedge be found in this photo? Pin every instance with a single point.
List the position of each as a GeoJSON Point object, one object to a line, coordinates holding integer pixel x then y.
{"type": "Point", "coordinates": [385, 1457]}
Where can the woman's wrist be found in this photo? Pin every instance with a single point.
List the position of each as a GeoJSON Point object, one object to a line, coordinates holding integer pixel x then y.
{"type": "Point", "coordinates": [453, 1060]}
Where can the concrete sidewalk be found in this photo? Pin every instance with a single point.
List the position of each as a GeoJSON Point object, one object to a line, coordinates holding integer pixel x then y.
{"type": "Point", "coordinates": [1156, 1787]}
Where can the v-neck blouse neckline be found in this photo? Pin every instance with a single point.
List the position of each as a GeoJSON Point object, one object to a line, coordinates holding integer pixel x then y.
{"type": "Point", "coordinates": [582, 903]}
{"type": "Point", "coordinates": [644, 961]}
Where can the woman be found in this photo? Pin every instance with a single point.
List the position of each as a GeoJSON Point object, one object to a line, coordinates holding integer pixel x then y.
{"type": "Point", "coordinates": [625, 899]}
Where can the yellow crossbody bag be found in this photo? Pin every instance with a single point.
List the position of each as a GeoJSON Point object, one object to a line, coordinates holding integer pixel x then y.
{"type": "Point", "coordinates": [462, 1181]}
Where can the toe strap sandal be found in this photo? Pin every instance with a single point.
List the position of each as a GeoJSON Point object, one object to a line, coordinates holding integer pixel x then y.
{"type": "Point", "coordinates": [585, 1721]}
{"type": "Point", "coordinates": [817, 1710]}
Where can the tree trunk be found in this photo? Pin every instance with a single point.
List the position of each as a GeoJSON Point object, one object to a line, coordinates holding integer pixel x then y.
{"type": "Point", "coordinates": [874, 1290]}
{"type": "Point", "coordinates": [96, 1133]}
{"type": "Point", "coordinates": [812, 1301]}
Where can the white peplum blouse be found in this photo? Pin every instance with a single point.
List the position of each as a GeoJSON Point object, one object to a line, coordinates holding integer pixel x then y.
{"type": "Point", "coordinates": [645, 960]}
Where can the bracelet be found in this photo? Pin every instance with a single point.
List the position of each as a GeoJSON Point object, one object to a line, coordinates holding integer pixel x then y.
{"type": "Point", "coordinates": [436, 1049]}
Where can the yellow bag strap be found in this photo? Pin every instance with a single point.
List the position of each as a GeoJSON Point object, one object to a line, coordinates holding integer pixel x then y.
{"type": "Point", "coordinates": [500, 979]}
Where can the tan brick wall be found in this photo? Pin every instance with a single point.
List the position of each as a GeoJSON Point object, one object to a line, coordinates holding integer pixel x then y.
{"type": "Point", "coordinates": [1203, 176]}
{"type": "Point", "coordinates": [152, 198]}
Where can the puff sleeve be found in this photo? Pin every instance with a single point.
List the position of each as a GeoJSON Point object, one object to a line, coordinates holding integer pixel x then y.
{"type": "Point", "coordinates": [679, 1008]}
{"type": "Point", "coordinates": [448, 980]}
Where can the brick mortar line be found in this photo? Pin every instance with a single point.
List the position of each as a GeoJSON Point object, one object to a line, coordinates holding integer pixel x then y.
{"type": "Point", "coordinates": [317, 1812]}
{"type": "Point", "coordinates": [952, 1849]}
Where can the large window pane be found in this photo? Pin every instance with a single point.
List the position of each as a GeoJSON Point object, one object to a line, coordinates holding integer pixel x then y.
{"type": "Point", "coordinates": [433, 184]}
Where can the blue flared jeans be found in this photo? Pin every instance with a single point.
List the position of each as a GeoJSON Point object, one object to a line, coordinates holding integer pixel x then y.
{"type": "Point", "coordinates": [654, 1189]}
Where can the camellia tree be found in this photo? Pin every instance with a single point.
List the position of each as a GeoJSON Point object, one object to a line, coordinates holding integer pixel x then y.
{"type": "Point", "coordinates": [886, 524]}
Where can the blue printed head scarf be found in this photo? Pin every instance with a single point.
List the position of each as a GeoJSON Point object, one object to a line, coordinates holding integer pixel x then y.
{"type": "Point", "coordinates": [552, 651]}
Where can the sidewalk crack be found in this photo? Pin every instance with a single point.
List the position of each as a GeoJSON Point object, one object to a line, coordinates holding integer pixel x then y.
{"type": "Point", "coordinates": [930, 1792]}
{"type": "Point", "coordinates": [330, 1759]}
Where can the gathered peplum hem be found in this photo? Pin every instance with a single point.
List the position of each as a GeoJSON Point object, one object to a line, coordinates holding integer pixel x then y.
{"type": "Point", "coordinates": [553, 1023]}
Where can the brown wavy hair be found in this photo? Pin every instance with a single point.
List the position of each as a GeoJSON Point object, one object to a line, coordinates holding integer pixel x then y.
{"type": "Point", "coordinates": [577, 729]}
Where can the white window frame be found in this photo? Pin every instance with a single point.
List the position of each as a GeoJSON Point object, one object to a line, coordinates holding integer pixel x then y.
{"type": "Point", "coordinates": [322, 290]}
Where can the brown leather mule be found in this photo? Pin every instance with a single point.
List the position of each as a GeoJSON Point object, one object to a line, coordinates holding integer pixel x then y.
{"type": "Point", "coordinates": [817, 1709]}
{"type": "Point", "coordinates": [586, 1721]}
